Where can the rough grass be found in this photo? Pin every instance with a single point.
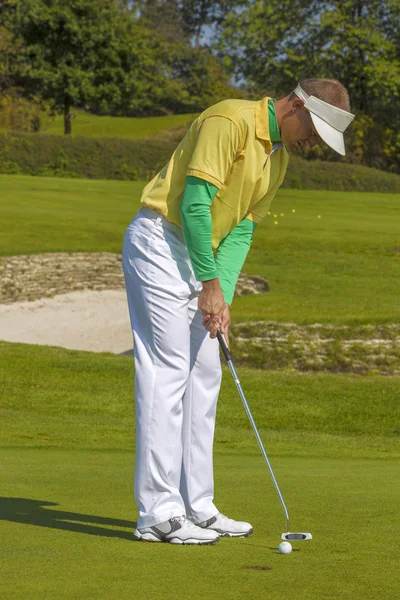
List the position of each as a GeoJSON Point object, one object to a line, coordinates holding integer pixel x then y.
{"type": "Point", "coordinates": [337, 348]}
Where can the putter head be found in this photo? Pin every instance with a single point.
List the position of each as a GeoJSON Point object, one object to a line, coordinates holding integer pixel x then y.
{"type": "Point", "coordinates": [296, 537]}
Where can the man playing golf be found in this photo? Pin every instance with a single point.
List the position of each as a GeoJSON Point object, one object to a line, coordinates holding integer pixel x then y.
{"type": "Point", "coordinates": [182, 255]}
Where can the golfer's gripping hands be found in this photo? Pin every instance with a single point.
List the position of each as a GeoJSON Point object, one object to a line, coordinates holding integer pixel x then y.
{"type": "Point", "coordinates": [216, 313]}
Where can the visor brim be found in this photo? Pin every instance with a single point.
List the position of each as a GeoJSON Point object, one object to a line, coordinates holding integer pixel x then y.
{"type": "Point", "coordinates": [330, 135]}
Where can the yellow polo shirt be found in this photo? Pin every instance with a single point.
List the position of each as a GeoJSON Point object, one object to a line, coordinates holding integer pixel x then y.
{"type": "Point", "coordinates": [228, 145]}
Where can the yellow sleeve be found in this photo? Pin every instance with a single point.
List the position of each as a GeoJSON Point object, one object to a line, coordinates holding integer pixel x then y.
{"type": "Point", "coordinates": [218, 144]}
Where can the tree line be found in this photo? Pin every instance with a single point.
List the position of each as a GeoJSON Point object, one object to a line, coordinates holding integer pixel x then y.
{"type": "Point", "coordinates": [154, 57]}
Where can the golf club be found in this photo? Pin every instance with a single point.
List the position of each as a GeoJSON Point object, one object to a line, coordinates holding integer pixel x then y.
{"type": "Point", "coordinates": [285, 536]}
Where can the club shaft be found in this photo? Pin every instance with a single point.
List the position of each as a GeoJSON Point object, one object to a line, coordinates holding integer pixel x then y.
{"type": "Point", "coordinates": [247, 409]}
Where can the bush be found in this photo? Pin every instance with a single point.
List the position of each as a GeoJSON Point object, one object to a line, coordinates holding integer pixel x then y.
{"type": "Point", "coordinates": [92, 158]}
{"type": "Point", "coordinates": [115, 158]}
{"type": "Point", "coordinates": [320, 175]}
{"type": "Point", "coordinates": [18, 113]}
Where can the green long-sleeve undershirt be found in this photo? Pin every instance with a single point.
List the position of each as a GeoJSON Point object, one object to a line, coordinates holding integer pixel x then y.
{"type": "Point", "coordinates": [197, 228]}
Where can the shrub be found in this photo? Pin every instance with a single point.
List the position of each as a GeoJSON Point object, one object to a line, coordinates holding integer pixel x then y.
{"type": "Point", "coordinates": [319, 175]}
{"type": "Point", "coordinates": [117, 158]}
{"type": "Point", "coordinates": [18, 113]}
{"type": "Point", "coordinates": [92, 158]}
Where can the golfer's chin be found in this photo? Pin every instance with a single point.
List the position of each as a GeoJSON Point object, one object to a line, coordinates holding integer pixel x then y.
{"type": "Point", "coordinates": [289, 144]}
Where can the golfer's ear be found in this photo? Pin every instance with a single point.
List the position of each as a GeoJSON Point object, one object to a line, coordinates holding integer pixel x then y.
{"type": "Point", "coordinates": [297, 105]}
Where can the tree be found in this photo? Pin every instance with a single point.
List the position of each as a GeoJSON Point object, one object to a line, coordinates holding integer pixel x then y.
{"type": "Point", "coordinates": [11, 49]}
{"type": "Point", "coordinates": [291, 39]}
{"type": "Point", "coordinates": [203, 78]}
{"type": "Point", "coordinates": [275, 43]}
{"type": "Point", "coordinates": [196, 69]}
{"type": "Point", "coordinates": [199, 14]}
{"type": "Point", "coordinates": [263, 43]}
{"type": "Point", "coordinates": [87, 52]}
{"type": "Point", "coordinates": [164, 18]}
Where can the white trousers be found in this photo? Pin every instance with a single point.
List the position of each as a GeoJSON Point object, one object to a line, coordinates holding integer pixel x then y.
{"type": "Point", "coordinates": [177, 374]}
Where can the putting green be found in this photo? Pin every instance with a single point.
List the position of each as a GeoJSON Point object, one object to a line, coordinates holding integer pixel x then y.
{"type": "Point", "coordinates": [69, 517]}
{"type": "Point", "coordinates": [66, 425]}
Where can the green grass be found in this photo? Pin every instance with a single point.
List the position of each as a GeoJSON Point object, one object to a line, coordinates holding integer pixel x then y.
{"type": "Point", "coordinates": [67, 435]}
{"type": "Point", "coordinates": [124, 127]}
{"type": "Point", "coordinates": [342, 268]}
{"type": "Point", "coordinates": [69, 535]}
{"type": "Point", "coordinates": [46, 214]}
{"type": "Point", "coordinates": [67, 421]}
{"type": "Point", "coordinates": [84, 399]}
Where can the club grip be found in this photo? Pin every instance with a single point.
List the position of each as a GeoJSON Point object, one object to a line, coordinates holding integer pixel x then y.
{"type": "Point", "coordinates": [223, 345]}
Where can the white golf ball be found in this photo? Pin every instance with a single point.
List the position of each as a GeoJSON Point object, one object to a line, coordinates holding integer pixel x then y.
{"type": "Point", "coordinates": [285, 548]}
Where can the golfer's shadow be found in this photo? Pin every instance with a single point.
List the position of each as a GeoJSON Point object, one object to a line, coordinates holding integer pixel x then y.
{"type": "Point", "coordinates": [35, 512]}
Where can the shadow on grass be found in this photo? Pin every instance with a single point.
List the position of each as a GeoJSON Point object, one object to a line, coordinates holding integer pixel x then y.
{"type": "Point", "coordinates": [35, 512]}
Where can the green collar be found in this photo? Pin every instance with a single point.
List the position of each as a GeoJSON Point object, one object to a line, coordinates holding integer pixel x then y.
{"type": "Point", "coordinates": [273, 123]}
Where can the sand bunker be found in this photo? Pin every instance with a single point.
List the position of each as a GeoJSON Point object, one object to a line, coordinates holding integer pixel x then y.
{"type": "Point", "coordinates": [75, 300]}
{"type": "Point", "coordinates": [91, 320]}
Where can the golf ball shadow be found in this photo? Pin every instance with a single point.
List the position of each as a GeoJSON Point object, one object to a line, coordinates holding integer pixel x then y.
{"type": "Point", "coordinates": [276, 548]}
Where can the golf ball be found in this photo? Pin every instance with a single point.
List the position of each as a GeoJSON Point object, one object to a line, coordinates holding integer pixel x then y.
{"type": "Point", "coordinates": [285, 548]}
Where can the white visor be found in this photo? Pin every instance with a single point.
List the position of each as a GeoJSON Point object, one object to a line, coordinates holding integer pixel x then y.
{"type": "Point", "coordinates": [329, 121]}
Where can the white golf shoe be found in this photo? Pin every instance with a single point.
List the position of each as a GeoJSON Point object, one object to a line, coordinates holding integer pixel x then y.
{"type": "Point", "coordinates": [226, 527]}
{"type": "Point", "coordinates": [177, 530]}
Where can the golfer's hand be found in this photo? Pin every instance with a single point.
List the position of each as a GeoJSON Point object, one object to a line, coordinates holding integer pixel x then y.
{"type": "Point", "coordinates": [224, 326]}
{"type": "Point", "coordinates": [211, 303]}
